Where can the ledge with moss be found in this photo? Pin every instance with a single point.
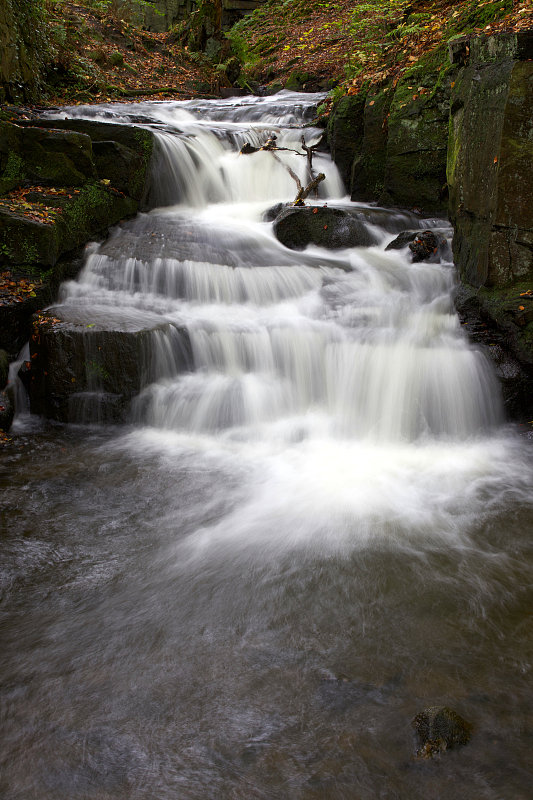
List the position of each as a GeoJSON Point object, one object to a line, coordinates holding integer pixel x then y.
{"type": "Point", "coordinates": [64, 184]}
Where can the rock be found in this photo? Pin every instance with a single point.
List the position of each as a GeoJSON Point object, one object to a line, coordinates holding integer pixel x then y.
{"type": "Point", "coordinates": [429, 245]}
{"type": "Point", "coordinates": [425, 247]}
{"type": "Point", "coordinates": [490, 164]}
{"type": "Point", "coordinates": [438, 729]}
{"type": "Point", "coordinates": [297, 81]}
{"type": "Point", "coordinates": [345, 133]}
{"type": "Point", "coordinates": [417, 139]}
{"type": "Point", "coordinates": [274, 211]}
{"type": "Point", "coordinates": [4, 368]}
{"type": "Point", "coordinates": [121, 165]}
{"type": "Point", "coordinates": [368, 167]}
{"type": "Point", "coordinates": [326, 227]}
{"type": "Point", "coordinates": [490, 319]}
{"type": "Point", "coordinates": [44, 155]}
{"type": "Point", "coordinates": [7, 411]}
{"type": "Point", "coordinates": [85, 372]}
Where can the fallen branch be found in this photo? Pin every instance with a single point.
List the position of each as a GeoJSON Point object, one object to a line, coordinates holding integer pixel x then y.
{"type": "Point", "coordinates": [271, 146]}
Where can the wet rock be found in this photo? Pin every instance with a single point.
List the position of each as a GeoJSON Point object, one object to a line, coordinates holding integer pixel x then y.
{"type": "Point", "coordinates": [490, 157]}
{"type": "Point", "coordinates": [7, 411]}
{"type": "Point", "coordinates": [4, 368]}
{"type": "Point", "coordinates": [271, 213]}
{"type": "Point", "coordinates": [438, 729]}
{"type": "Point", "coordinates": [84, 373]}
{"type": "Point", "coordinates": [345, 133]}
{"type": "Point", "coordinates": [490, 319]}
{"type": "Point", "coordinates": [424, 245]}
{"type": "Point", "coordinates": [332, 228]}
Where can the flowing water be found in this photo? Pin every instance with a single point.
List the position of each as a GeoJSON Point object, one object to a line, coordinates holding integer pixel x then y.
{"type": "Point", "coordinates": [320, 527]}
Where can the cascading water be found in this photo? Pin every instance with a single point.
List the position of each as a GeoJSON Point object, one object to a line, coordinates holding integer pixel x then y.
{"type": "Point", "coordinates": [316, 528]}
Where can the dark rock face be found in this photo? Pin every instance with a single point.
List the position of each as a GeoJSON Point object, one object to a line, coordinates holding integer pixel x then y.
{"type": "Point", "coordinates": [438, 729]}
{"type": "Point", "coordinates": [345, 133]}
{"type": "Point", "coordinates": [332, 228]}
{"type": "Point", "coordinates": [415, 167]}
{"type": "Point", "coordinates": [492, 320]}
{"type": "Point", "coordinates": [7, 411]}
{"type": "Point", "coordinates": [85, 374]}
{"type": "Point", "coordinates": [4, 368]}
{"type": "Point", "coordinates": [490, 166]}
{"type": "Point", "coordinates": [368, 167]}
{"type": "Point", "coordinates": [45, 156]}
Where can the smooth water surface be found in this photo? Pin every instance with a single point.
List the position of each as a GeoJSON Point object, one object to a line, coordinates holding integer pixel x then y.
{"type": "Point", "coordinates": [320, 528]}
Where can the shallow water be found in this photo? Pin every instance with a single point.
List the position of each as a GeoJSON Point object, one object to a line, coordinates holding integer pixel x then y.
{"type": "Point", "coordinates": [322, 528]}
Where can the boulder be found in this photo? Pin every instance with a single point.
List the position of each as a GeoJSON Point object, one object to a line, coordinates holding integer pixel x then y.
{"type": "Point", "coordinates": [438, 729]}
{"type": "Point", "coordinates": [333, 228]}
{"type": "Point", "coordinates": [88, 372]}
{"type": "Point", "coordinates": [46, 156]}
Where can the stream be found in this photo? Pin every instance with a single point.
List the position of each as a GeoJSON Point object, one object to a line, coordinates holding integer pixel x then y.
{"type": "Point", "coordinates": [320, 528]}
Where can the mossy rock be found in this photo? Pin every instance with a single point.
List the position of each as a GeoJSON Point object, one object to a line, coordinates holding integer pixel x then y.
{"type": "Point", "coordinates": [368, 167]}
{"type": "Point", "coordinates": [44, 155]}
{"type": "Point", "coordinates": [333, 228]}
{"type": "Point", "coordinates": [415, 172]}
{"type": "Point", "coordinates": [345, 133]}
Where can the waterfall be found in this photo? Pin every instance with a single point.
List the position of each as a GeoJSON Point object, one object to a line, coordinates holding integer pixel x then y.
{"type": "Point", "coordinates": [360, 339]}
{"type": "Point", "coordinates": [313, 524]}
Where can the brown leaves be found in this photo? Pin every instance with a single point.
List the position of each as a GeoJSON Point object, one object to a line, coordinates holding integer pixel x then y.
{"type": "Point", "coordinates": [16, 290]}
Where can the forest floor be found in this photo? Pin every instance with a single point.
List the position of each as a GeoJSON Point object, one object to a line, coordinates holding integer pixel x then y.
{"type": "Point", "coordinates": [100, 57]}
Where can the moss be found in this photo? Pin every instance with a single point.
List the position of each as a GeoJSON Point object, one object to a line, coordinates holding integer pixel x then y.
{"type": "Point", "coordinates": [13, 174]}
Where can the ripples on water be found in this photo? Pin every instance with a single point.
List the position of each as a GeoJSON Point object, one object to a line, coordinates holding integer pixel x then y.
{"type": "Point", "coordinates": [320, 529]}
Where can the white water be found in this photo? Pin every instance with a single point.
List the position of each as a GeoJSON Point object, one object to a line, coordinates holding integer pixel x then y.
{"type": "Point", "coordinates": [338, 383]}
{"type": "Point", "coordinates": [321, 528]}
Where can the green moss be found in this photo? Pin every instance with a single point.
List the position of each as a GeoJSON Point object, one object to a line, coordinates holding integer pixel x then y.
{"type": "Point", "coordinates": [13, 174]}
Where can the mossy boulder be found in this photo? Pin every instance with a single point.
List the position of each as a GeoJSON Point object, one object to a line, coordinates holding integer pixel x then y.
{"type": "Point", "coordinates": [333, 228]}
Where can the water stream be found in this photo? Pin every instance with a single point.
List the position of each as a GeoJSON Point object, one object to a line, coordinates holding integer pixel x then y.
{"type": "Point", "coordinates": [320, 527]}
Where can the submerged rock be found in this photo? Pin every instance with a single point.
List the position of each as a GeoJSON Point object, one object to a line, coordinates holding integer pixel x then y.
{"type": "Point", "coordinates": [439, 728]}
{"type": "Point", "coordinates": [333, 228]}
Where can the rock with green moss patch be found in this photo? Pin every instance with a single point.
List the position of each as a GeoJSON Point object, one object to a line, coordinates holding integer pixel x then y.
{"type": "Point", "coordinates": [333, 228]}
{"type": "Point", "coordinates": [368, 168]}
{"type": "Point", "coordinates": [345, 133]}
{"type": "Point", "coordinates": [490, 170]}
{"type": "Point", "coordinates": [415, 172]}
{"type": "Point", "coordinates": [45, 156]}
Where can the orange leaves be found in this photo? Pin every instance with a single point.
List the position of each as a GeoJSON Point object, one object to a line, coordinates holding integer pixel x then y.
{"type": "Point", "coordinates": [16, 290]}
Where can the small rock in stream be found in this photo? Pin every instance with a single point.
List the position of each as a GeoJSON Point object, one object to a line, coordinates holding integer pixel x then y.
{"type": "Point", "coordinates": [7, 411]}
{"type": "Point", "coordinates": [439, 728]}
